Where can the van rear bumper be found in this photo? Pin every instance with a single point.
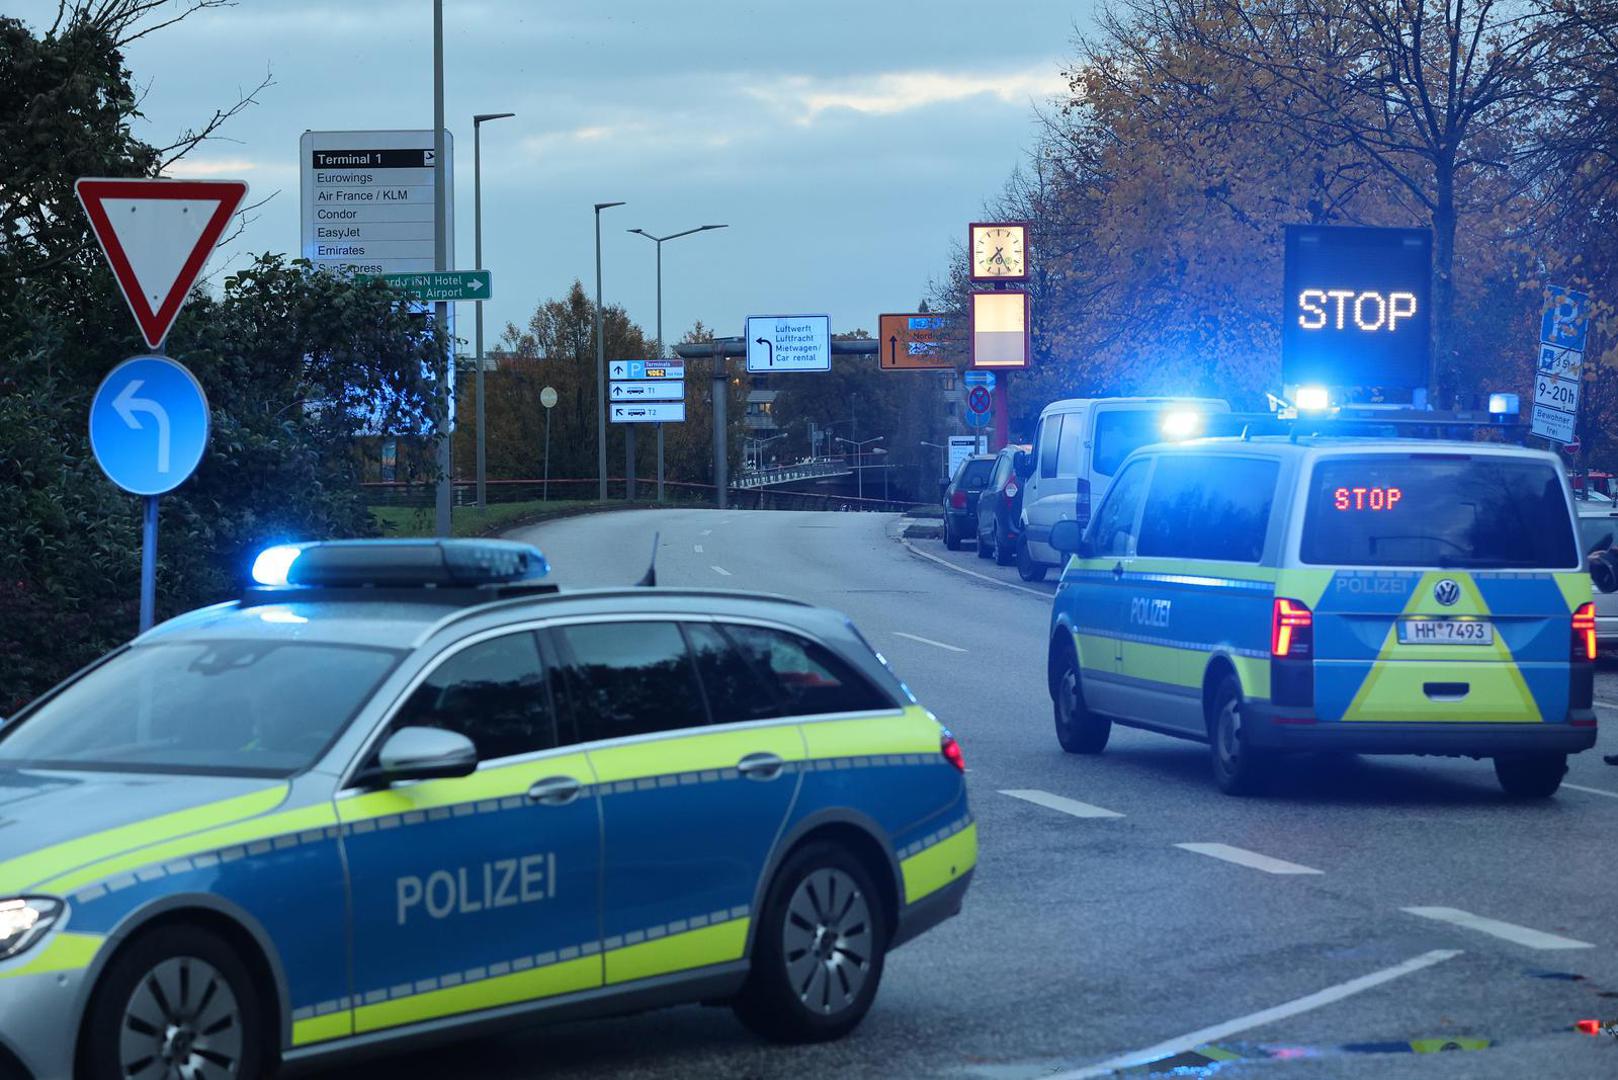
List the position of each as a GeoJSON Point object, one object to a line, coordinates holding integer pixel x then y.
{"type": "Point", "coordinates": [1280, 728]}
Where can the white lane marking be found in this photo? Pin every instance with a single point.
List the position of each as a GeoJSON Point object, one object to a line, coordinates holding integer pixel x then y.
{"type": "Point", "coordinates": [1591, 790]}
{"type": "Point", "coordinates": [707, 532]}
{"type": "Point", "coordinates": [1243, 857]}
{"type": "Point", "coordinates": [1066, 806]}
{"type": "Point", "coordinates": [1518, 935]}
{"type": "Point", "coordinates": [1296, 1007]}
{"type": "Point", "coordinates": [973, 573]}
{"type": "Point", "coordinates": [697, 548]}
{"type": "Point", "coordinates": [720, 570]}
{"type": "Point", "coordinates": [1606, 704]}
{"type": "Point", "coordinates": [927, 641]}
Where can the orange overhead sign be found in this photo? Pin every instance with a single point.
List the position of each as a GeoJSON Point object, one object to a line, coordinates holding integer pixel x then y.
{"type": "Point", "coordinates": [912, 343]}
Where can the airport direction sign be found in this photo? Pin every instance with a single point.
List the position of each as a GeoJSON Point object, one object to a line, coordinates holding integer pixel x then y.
{"type": "Point", "coordinates": [451, 286]}
{"type": "Point", "coordinates": [650, 412]}
{"type": "Point", "coordinates": [645, 369]}
{"type": "Point", "coordinates": [785, 343]}
{"type": "Point", "coordinates": [157, 236]}
{"type": "Point", "coordinates": [912, 342]}
{"type": "Point", "coordinates": [647, 390]}
{"type": "Point", "coordinates": [368, 200]}
{"type": "Point", "coordinates": [149, 425]}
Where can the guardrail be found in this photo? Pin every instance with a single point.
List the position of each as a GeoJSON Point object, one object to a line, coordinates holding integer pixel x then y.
{"type": "Point", "coordinates": [786, 474]}
{"type": "Point", "coordinates": [677, 493]}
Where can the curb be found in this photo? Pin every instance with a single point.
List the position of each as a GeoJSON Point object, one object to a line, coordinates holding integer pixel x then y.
{"type": "Point", "coordinates": [973, 573]}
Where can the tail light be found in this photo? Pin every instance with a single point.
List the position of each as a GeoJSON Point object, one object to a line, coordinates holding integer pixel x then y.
{"type": "Point", "coordinates": [952, 751]}
{"type": "Point", "coordinates": [1584, 633]}
{"type": "Point", "coordinates": [1081, 502]}
{"type": "Point", "coordinates": [958, 500]}
{"type": "Point", "coordinates": [1589, 1027]}
{"type": "Point", "coordinates": [1292, 630]}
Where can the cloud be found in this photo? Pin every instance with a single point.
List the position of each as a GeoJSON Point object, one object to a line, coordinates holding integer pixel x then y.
{"type": "Point", "coordinates": [807, 98]}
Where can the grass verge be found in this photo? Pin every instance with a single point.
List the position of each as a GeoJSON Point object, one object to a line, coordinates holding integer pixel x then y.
{"type": "Point", "coordinates": [412, 521]}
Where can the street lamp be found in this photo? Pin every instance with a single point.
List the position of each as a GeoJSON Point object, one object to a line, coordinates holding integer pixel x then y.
{"type": "Point", "coordinates": [859, 451]}
{"type": "Point", "coordinates": [658, 240]}
{"type": "Point", "coordinates": [601, 367]}
{"type": "Point", "coordinates": [477, 244]}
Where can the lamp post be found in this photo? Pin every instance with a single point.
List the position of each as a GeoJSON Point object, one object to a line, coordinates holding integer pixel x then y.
{"type": "Point", "coordinates": [601, 367]}
{"type": "Point", "coordinates": [658, 240]}
{"type": "Point", "coordinates": [477, 245]}
{"type": "Point", "coordinates": [445, 497]}
{"type": "Point", "coordinates": [859, 451]}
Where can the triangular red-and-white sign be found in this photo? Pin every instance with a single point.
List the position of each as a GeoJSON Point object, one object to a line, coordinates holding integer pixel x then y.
{"type": "Point", "coordinates": [157, 236]}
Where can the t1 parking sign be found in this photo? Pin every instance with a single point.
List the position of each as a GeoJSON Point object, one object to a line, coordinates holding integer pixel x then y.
{"type": "Point", "coordinates": [1356, 307]}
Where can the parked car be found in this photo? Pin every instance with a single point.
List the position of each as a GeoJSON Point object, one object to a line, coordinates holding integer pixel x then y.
{"type": "Point", "coordinates": [1000, 509]}
{"type": "Point", "coordinates": [1598, 531]}
{"type": "Point", "coordinates": [961, 498]}
{"type": "Point", "coordinates": [1078, 448]}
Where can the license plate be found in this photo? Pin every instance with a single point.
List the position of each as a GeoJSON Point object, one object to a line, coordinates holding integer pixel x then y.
{"type": "Point", "coordinates": [1445, 632]}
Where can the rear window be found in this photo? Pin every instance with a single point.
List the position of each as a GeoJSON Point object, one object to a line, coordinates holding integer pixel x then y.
{"type": "Point", "coordinates": [1120, 433]}
{"type": "Point", "coordinates": [974, 473]}
{"type": "Point", "coordinates": [1438, 510]}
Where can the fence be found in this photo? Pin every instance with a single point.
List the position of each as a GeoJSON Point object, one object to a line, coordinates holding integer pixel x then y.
{"type": "Point", "coordinates": [676, 493]}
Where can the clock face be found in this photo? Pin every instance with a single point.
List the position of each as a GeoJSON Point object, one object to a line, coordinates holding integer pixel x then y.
{"type": "Point", "coordinates": [999, 252]}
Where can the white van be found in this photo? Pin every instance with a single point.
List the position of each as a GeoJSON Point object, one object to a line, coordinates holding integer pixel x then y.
{"type": "Point", "coordinates": [1080, 444]}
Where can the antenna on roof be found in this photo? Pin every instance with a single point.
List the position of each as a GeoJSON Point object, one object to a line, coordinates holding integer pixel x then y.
{"type": "Point", "coordinates": [649, 579]}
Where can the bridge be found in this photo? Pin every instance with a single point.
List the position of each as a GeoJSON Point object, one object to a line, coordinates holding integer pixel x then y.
{"type": "Point", "coordinates": [787, 474]}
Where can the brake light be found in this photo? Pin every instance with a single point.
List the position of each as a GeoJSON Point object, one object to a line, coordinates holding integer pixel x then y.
{"type": "Point", "coordinates": [1589, 1027]}
{"type": "Point", "coordinates": [952, 751]}
{"type": "Point", "coordinates": [958, 500]}
{"type": "Point", "coordinates": [1584, 632]}
{"type": "Point", "coordinates": [1292, 630]}
{"type": "Point", "coordinates": [1011, 490]}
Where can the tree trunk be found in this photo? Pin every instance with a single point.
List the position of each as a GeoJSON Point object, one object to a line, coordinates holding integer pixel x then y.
{"type": "Point", "coordinates": [1443, 361]}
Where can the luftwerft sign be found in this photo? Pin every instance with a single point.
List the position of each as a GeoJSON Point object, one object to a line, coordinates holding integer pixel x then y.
{"type": "Point", "coordinates": [1355, 309]}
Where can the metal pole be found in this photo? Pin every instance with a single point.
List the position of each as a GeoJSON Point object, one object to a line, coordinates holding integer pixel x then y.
{"type": "Point", "coordinates": [660, 356]}
{"type": "Point", "coordinates": [445, 493]}
{"type": "Point", "coordinates": [477, 255]}
{"type": "Point", "coordinates": [148, 563]}
{"type": "Point", "coordinates": [601, 379]}
{"type": "Point", "coordinates": [546, 493]}
{"type": "Point", "coordinates": [721, 388]}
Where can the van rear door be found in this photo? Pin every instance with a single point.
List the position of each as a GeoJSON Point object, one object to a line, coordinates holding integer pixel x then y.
{"type": "Point", "coordinates": [1453, 578]}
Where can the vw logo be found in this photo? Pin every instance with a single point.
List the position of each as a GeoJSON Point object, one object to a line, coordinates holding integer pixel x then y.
{"type": "Point", "coordinates": [1446, 592]}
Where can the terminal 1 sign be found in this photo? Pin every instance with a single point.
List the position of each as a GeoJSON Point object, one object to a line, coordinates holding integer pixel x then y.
{"type": "Point", "coordinates": [1356, 308]}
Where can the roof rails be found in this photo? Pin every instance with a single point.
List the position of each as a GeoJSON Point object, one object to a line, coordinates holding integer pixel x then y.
{"type": "Point", "coordinates": [1362, 421]}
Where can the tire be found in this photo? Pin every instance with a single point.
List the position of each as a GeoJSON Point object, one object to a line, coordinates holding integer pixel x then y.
{"type": "Point", "coordinates": [1005, 551]}
{"type": "Point", "coordinates": [1531, 776]}
{"type": "Point", "coordinates": [984, 550]}
{"type": "Point", "coordinates": [819, 950]}
{"type": "Point", "coordinates": [1238, 769]}
{"type": "Point", "coordinates": [1079, 730]}
{"type": "Point", "coordinates": [1027, 568]}
{"type": "Point", "coordinates": [951, 541]}
{"type": "Point", "coordinates": [209, 1019]}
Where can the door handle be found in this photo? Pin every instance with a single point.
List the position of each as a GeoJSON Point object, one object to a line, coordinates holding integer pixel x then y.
{"type": "Point", "coordinates": [1118, 571]}
{"type": "Point", "coordinates": [760, 766]}
{"type": "Point", "coordinates": [555, 790]}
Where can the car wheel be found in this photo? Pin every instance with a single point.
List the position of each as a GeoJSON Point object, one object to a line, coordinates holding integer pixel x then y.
{"type": "Point", "coordinates": [951, 541]}
{"type": "Point", "coordinates": [1005, 549]}
{"type": "Point", "coordinates": [1027, 568]}
{"type": "Point", "coordinates": [819, 949]}
{"type": "Point", "coordinates": [177, 1002]}
{"type": "Point", "coordinates": [1239, 769]}
{"type": "Point", "coordinates": [984, 549]}
{"type": "Point", "coordinates": [1079, 730]}
{"type": "Point", "coordinates": [1531, 776]}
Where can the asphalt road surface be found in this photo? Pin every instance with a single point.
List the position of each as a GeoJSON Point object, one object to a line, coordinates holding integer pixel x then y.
{"type": "Point", "coordinates": [1124, 910]}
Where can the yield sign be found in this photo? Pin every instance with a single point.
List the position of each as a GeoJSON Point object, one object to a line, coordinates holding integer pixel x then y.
{"type": "Point", "coordinates": [157, 235]}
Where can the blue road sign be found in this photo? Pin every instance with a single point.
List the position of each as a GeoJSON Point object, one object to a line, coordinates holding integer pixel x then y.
{"type": "Point", "coordinates": [149, 425]}
{"type": "Point", "coordinates": [978, 419]}
{"type": "Point", "coordinates": [984, 379]}
{"type": "Point", "coordinates": [1566, 321]}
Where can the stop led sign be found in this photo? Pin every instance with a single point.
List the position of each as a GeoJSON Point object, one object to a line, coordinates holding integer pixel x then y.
{"type": "Point", "coordinates": [1355, 309]}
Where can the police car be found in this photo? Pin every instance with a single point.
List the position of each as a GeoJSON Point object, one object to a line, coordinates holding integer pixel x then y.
{"type": "Point", "coordinates": [1382, 596]}
{"type": "Point", "coordinates": [415, 791]}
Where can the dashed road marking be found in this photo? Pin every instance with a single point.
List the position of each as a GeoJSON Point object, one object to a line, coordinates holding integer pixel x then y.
{"type": "Point", "coordinates": [720, 570]}
{"type": "Point", "coordinates": [1065, 805]}
{"type": "Point", "coordinates": [928, 641]}
{"type": "Point", "coordinates": [1296, 1007]}
{"type": "Point", "coordinates": [1243, 857]}
{"type": "Point", "coordinates": [1517, 935]}
{"type": "Point", "coordinates": [697, 548]}
{"type": "Point", "coordinates": [707, 532]}
{"type": "Point", "coordinates": [1590, 790]}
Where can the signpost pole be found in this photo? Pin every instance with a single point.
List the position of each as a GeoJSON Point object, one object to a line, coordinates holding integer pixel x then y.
{"type": "Point", "coordinates": [445, 490]}
{"type": "Point", "coordinates": [660, 356]}
{"type": "Point", "coordinates": [545, 493]}
{"type": "Point", "coordinates": [148, 563]}
{"type": "Point", "coordinates": [721, 389]}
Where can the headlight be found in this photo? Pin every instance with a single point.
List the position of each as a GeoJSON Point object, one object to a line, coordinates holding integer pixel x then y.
{"type": "Point", "coordinates": [24, 920]}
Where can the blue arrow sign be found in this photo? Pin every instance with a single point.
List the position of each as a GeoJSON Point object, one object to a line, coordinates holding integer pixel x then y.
{"type": "Point", "coordinates": [149, 425]}
{"type": "Point", "coordinates": [984, 379]}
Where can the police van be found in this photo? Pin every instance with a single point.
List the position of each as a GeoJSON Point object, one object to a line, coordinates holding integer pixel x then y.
{"type": "Point", "coordinates": [1380, 596]}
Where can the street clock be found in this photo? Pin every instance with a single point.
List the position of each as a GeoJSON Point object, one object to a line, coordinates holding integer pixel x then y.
{"type": "Point", "coordinates": [999, 251]}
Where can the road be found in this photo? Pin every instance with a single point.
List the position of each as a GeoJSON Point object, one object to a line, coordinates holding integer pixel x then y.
{"type": "Point", "coordinates": [1089, 937]}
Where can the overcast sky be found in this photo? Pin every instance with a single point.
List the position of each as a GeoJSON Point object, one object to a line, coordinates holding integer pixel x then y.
{"type": "Point", "coordinates": [847, 143]}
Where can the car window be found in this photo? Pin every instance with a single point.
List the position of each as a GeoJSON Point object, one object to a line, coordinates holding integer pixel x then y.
{"type": "Point", "coordinates": [248, 708]}
{"type": "Point", "coordinates": [735, 687]}
{"type": "Point", "coordinates": [806, 676]}
{"type": "Point", "coordinates": [1204, 507]}
{"type": "Point", "coordinates": [1070, 454]}
{"type": "Point", "coordinates": [1114, 533]}
{"type": "Point", "coordinates": [630, 678]}
{"type": "Point", "coordinates": [1120, 432]}
{"type": "Point", "coordinates": [975, 474]}
{"type": "Point", "coordinates": [1050, 436]}
{"type": "Point", "coordinates": [1594, 530]}
{"type": "Point", "coordinates": [1002, 470]}
{"type": "Point", "coordinates": [494, 693]}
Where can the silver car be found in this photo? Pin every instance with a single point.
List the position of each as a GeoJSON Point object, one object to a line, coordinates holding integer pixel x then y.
{"type": "Point", "coordinates": [1598, 530]}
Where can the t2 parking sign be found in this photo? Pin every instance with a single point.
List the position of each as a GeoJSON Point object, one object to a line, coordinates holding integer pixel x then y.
{"type": "Point", "coordinates": [1356, 307]}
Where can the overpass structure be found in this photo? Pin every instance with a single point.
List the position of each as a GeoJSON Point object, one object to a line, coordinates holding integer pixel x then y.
{"type": "Point", "coordinates": [788, 474]}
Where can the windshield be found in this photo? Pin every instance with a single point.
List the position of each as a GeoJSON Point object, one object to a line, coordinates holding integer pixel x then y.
{"type": "Point", "coordinates": [245, 708]}
{"type": "Point", "coordinates": [1441, 510]}
{"type": "Point", "coordinates": [1120, 433]}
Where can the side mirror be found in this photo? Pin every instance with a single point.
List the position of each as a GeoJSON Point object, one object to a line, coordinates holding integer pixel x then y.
{"type": "Point", "coordinates": [1023, 464]}
{"type": "Point", "coordinates": [1068, 538]}
{"type": "Point", "coordinates": [421, 753]}
{"type": "Point", "coordinates": [1604, 570]}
